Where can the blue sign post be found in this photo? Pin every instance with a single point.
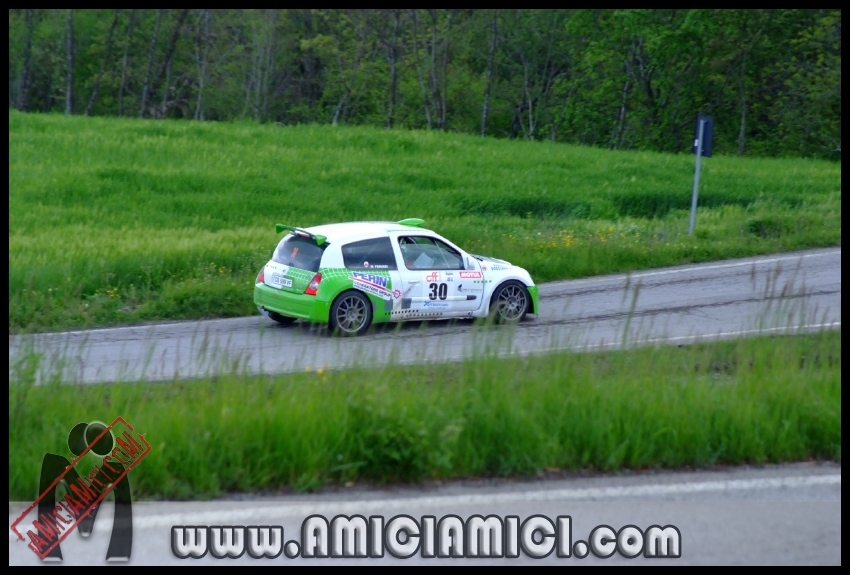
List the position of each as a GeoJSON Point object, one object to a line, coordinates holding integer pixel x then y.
{"type": "Point", "coordinates": [702, 147]}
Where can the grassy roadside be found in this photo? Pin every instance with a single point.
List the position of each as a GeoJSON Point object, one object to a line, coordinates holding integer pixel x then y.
{"type": "Point", "coordinates": [747, 401]}
{"type": "Point", "coordinates": [118, 221]}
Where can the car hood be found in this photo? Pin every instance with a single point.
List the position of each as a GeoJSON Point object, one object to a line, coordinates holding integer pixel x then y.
{"type": "Point", "coordinates": [489, 259]}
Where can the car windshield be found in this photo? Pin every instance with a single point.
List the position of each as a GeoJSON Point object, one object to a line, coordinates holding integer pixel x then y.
{"type": "Point", "coordinates": [299, 252]}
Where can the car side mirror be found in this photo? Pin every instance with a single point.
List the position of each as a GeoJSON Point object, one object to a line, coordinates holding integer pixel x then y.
{"type": "Point", "coordinates": [470, 265]}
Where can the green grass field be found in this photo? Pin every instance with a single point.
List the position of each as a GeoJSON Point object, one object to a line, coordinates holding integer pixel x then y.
{"type": "Point", "coordinates": [749, 401]}
{"type": "Point", "coordinates": [117, 221]}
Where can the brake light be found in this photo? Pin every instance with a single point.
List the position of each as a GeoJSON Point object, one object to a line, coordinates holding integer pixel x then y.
{"type": "Point", "coordinates": [261, 277]}
{"type": "Point", "coordinates": [314, 285]}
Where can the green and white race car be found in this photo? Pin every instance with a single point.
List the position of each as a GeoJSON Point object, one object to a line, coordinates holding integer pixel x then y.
{"type": "Point", "coordinates": [351, 275]}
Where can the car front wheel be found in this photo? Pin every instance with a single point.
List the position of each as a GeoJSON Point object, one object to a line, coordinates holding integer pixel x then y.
{"type": "Point", "coordinates": [510, 302]}
{"type": "Point", "coordinates": [351, 314]}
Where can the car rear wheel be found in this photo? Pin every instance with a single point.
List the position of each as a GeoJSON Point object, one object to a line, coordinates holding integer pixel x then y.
{"type": "Point", "coordinates": [510, 303]}
{"type": "Point", "coordinates": [281, 319]}
{"type": "Point", "coordinates": [351, 314]}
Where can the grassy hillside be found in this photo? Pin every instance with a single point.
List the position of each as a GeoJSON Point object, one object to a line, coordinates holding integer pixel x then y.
{"type": "Point", "coordinates": [116, 221]}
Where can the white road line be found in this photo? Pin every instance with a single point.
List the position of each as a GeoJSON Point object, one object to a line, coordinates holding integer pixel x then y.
{"type": "Point", "coordinates": [788, 330]}
{"type": "Point", "coordinates": [147, 329]}
{"type": "Point", "coordinates": [697, 267]}
{"type": "Point", "coordinates": [273, 510]}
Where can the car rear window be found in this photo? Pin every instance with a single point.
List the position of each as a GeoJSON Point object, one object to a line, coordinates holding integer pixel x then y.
{"type": "Point", "coordinates": [299, 252]}
{"type": "Point", "coordinates": [371, 254]}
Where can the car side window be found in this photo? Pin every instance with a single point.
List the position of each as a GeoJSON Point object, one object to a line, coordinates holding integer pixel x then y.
{"type": "Point", "coordinates": [426, 253]}
{"type": "Point", "coordinates": [374, 254]}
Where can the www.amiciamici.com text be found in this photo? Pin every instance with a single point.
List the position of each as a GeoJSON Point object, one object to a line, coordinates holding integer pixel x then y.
{"type": "Point", "coordinates": [403, 537]}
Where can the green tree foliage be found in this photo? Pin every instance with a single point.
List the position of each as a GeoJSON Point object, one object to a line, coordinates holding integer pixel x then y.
{"type": "Point", "coordinates": [632, 79]}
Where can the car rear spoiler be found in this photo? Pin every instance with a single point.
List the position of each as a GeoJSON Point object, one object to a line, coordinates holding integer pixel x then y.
{"type": "Point", "coordinates": [301, 232]}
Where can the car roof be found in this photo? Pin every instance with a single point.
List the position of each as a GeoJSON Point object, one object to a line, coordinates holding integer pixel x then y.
{"type": "Point", "coordinates": [355, 230]}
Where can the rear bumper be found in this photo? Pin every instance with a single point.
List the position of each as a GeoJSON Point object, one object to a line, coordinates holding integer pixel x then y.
{"type": "Point", "coordinates": [302, 306]}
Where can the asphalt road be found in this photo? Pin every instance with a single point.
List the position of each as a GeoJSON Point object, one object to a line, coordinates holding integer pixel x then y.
{"type": "Point", "coordinates": [784, 293]}
{"type": "Point", "coordinates": [787, 514]}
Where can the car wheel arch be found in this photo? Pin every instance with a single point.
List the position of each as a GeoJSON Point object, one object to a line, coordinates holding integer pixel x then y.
{"type": "Point", "coordinates": [345, 290]}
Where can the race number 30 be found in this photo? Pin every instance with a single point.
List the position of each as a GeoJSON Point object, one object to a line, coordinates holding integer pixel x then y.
{"type": "Point", "coordinates": [438, 291]}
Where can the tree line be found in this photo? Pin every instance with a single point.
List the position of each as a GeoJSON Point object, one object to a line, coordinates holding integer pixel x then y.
{"type": "Point", "coordinates": [621, 79]}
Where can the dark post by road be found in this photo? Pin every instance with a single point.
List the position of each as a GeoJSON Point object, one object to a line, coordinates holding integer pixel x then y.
{"type": "Point", "coordinates": [702, 147]}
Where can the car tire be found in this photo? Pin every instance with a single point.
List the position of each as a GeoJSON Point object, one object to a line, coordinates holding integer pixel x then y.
{"type": "Point", "coordinates": [510, 303]}
{"type": "Point", "coordinates": [281, 319]}
{"type": "Point", "coordinates": [351, 314]}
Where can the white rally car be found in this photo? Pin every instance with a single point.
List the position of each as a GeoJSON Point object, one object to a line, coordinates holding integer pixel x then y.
{"type": "Point", "coordinates": [351, 275]}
